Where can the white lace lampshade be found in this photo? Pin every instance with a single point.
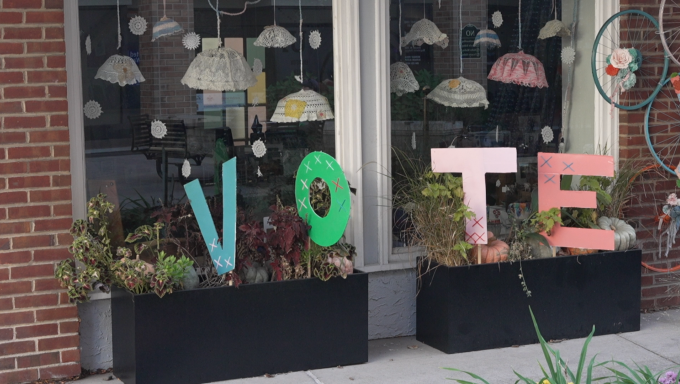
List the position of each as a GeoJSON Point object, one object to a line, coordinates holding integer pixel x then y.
{"type": "Point", "coordinates": [274, 36]}
{"type": "Point", "coordinates": [165, 27]}
{"type": "Point", "coordinates": [220, 69]}
{"type": "Point", "coordinates": [120, 69]}
{"type": "Point", "coordinates": [459, 93]}
{"type": "Point", "coordinates": [425, 31]}
{"type": "Point", "coordinates": [402, 79]}
{"type": "Point", "coordinates": [305, 105]}
{"type": "Point", "coordinates": [519, 68]}
{"type": "Point", "coordinates": [554, 28]}
{"type": "Point", "coordinates": [488, 37]}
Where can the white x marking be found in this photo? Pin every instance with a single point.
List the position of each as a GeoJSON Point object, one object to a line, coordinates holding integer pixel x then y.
{"type": "Point", "coordinates": [229, 264]}
{"type": "Point", "coordinates": [308, 167]}
{"type": "Point", "coordinates": [213, 245]}
{"type": "Point", "coordinates": [302, 202]}
{"type": "Point", "coordinates": [217, 262]}
{"type": "Point", "coordinates": [318, 160]}
{"type": "Point", "coordinates": [330, 165]}
{"type": "Point", "coordinates": [304, 184]}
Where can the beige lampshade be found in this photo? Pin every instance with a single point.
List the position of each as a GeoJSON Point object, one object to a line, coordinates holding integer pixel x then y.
{"type": "Point", "coordinates": [305, 105]}
{"type": "Point", "coordinates": [220, 69]}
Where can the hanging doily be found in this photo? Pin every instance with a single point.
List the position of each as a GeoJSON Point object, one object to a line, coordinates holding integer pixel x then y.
{"type": "Point", "coordinates": [305, 105]}
{"type": "Point", "coordinates": [165, 27]}
{"type": "Point", "coordinates": [488, 37]}
{"type": "Point", "coordinates": [459, 93]}
{"type": "Point", "coordinates": [497, 19]}
{"type": "Point", "coordinates": [256, 100]}
{"type": "Point", "coordinates": [274, 36]}
{"type": "Point", "coordinates": [186, 168]}
{"type": "Point", "coordinates": [191, 40]}
{"type": "Point", "coordinates": [519, 68]}
{"type": "Point", "coordinates": [120, 69]}
{"type": "Point", "coordinates": [568, 55]}
{"type": "Point", "coordinates": [257, 67]}
{"type": "Point", "coordinates": [547, 134]}
{"type": "Point", "coordinates": [402, 79]}
{"type": "Point", "coordinates": [554, 28]}
{"type": "Point", "coordinates": [498, 183]}
{"type": "Point", "coordinates": [92, 109]}
{"type": "Point", "coordinates": [425, 31]}
{"type": "Point", "coordinates": [88, 45]}
{"type": "Point", "coordinates": [413, 141]}
{"type": "Point", "coordinates": [259, 173]}
{"type": "Point", "coordinates": [158, 129]}
{"type": "Point", "coordinates": [315, 39]}
{"type": "Point", "coordinates": [137, 25]}
{"type": "Point", "coordinates": [259, 149]}
{"type": "Point", "coordinates": [221, 69]}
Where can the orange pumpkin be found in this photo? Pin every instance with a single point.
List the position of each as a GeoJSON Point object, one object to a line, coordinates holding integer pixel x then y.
{"type": "Point", "coordinates": [493, 252]}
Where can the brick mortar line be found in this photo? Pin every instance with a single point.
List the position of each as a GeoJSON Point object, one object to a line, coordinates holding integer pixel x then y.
{"type": "Point", "coordinates": [29, 309]}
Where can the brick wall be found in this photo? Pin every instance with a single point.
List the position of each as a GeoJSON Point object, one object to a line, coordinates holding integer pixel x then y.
{"type": "Point", "coordinates": [38, 327]}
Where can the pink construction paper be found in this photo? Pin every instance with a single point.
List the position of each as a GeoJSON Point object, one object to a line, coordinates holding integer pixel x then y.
{"type": "Point", "coordinates": [550, 167]}
{"type": "Point", "coordinates": [474, 163]}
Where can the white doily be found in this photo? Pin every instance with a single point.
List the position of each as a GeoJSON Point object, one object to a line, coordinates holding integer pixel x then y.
{"type": "Point", "coordinates": [88, 45]}
{"type": "Point", "coordinates": [459, 93]}
{"type": "Point", "coordinates": [413, 141]}
{"type": "Point", "coordinates": [519, 68]}
{"type": "Point", "coordinates": [92, 109]}
{"type": "Point", "coordinates": [137, 25]}
{"type": "Point", "coordinates": [547, 134]}
{"type": "Point", "coordinates": [158, 129]}
{"type": "Point", "coordinates": [554, 28]}
{"type": "Point", "coordinates": [186, 168]}
{"type": "Point", "coordinates": [165, 27]}
{"type": "Point", "coordinates": [315, 39]}
{"type": "Point", "coordinates": [568, 55]}
{"type": "Point", "coordinates": [274, 36]}
{"type": "Point", "coordinates": [402, 79]}
{"type": "Point", "coordinates": [305, 105]}
{"type": "Point", "coordinates": [497, 19]}
{"type": "Point", "coordinates": [498, 183]}
{"type": "Point", "coordinates": [259, 149]}
{"type": "Point", "coordinates": [257, 67]}
{"type": "Point", "coordinates": [221, 69]}
{"type": "Point", "coordinates": [425, 31]}
{"type": "Point", "coordinates": [256, 100]}
{"type": "Point", "coordinates": [191, 40]}
{"type": "Point", "coordinates": [120, 69]}
{"type": "Point", "coordinates": [259, 173]}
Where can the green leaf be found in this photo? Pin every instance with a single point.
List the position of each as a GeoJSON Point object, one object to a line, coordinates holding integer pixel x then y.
{"type": "Point", "coordinates": [543, 344]}
{"type": "Point", "coordinates": [565, 184]}
{"type": "Point", "coordinates": [469, 374]}
{"type": "Point", "coordinates": [524, 379]}
{"type": "Point", "coordinates": [582, 360]}
{"type": "Point", "coordinates": [677, 183]}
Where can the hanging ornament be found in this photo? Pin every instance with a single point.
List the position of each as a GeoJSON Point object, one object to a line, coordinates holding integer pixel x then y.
{"type": "Point", "coordinates": [256, 100]}
{"type": "Point", "coordinates": [305, 105]}
{"type": "Point", "coordinates": [554, 28]}
{"type": "Point", "coordinates": [120, 69]}
{"type": "Point", "coordinates": [221, 69]}
{"type": "Point", "coordinates": [402, 80]}
{"type": "Point", "coordinates": [547, 134]}
{"type": "Point", "coordinates": [88, 45]}
{"type": "Point", "coordinates": [519, 68]}
{"type": "Point", "coordinates": [191, 40]}
{"type": "Point", "coordinates": [459, 93]}
{"type": "Point", "coordinates": [137, 25]}
{"type": "Point", "coordinates": [315, 39]}
{"type": "Point", "coordinates": [158, 129]}
{"type": "Point", "coordinates": [497, 19]}
{"type": "Point", "coordinates": [165, 27]}
{"type": "Point", "coordinates": [259, 149]}
{"type": "Point", "coordinates": [257, 67]}
{"type": "Point", "coordinates": [186, 168]}
{"type": "Point", "coordinates": [413, 141]}
{"type": "Point", "coordinates": [274, 36]}
{"type": "Point", "coordinates": [425, 31]}
{"type": "Point", "coordinates": [498, 183]}
{"type": "Point", "coordinates": [488, 37]}
{"type": "Point", "coordinates": [92, 109]}
{"type": "Point", "coordinates": [259, 173]}
{"type": "Point", "coordinates": [568, 55]}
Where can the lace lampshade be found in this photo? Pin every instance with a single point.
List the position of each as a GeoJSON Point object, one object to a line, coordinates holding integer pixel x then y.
{"type": "Point", "coordinates": [519, 68]}
{"type": "Point", "coordinates": [220, 69]}
{"type": "Point", "coordinates": [120, 69]}
{"type": "Point", "coordinates": [274, 36]}
{"type": "Point", "coordinates": [459, 93]}
{"type": "Point", "coordinates": [402, 79]}
{"type": "Point", "coordinates": [488, 37]}
{"type": "Point", "coordinates": [425, 31]}
{"type": "Point", "coordinates": [165, 27]}
{"type": "Point", "coordinates": [554, 28]}
{"type": "Point", "coordinates": [305, 105]}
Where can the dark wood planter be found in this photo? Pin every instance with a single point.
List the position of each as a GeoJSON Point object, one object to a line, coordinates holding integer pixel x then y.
{"type": "Point", "coordinates": [462, 309]}
{"type": "Point", "coordinates": [214, 334]}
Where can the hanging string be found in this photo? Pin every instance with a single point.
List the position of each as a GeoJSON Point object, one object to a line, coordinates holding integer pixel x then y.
{"type": "Point", "coordinates": [164, 15]}
{"type": "Point", "coordinates": [400, 29]}
{"type": "Point", "coordinates": [120, 37]}
{"type": "Point", "coordinates": [555, 9]}
{"type": "Point", "coordinates": [275, 13]}
{"type": "Point", "coordinates": [520, 25]}
{"type": "Point", "coordinates": [219, 26]}
{"type": "Point", "coordinates": [301, 36]}
{"type": "Point", "coordinates": [460, 34]}
{"type": "Point", "coordinates": [245, 6]}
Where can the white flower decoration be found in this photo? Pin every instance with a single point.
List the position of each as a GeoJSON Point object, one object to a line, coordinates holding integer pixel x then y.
{"type": "Point", "coordinates": [413, 141]}
{"type": "Point", "coordinates": [259, 173]}
{"type": "Point", "coordinates": [256, 100]}
{"type": "Point", "coordinates": [257, 67]}
{"type": "Point", "coordinates": [315, 39]}
{"type": "Point", "coordinates": [191, 40]}
{"type": "Point", "coordinates": [497, 19]}
{"type": "Point", "coordinates": [88, 45]}
{"type": "Point", "coordinates": [158, 129]}
{"type": "Point", "coordinates": [186, 168]}
{"type": "Point", "coordinates": [137, 25]}
{"type": "Point", "coordinates": [568, 55]}
{"type": "Point", "coordinates": [259, 149]}
{"type": "Point", "coordinates": [547, 134]}
{"type": "Point", "coordinates": [92, 109]}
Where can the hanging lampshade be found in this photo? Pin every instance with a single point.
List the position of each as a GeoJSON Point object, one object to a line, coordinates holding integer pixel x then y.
{"type": "Point", "coordinates": [220, 69]}
{"type": "Point", "coordinates": [554, 28]}
{"type": "Point", "coordinates": [120, 69]}
{"type": "Point", "coordinates": [519, 68]}
{"type": "Point", "coordinates": [402, 79]}
{"type": "Point", "coordinates": [305, 105]}
{"type": "Point", "coordinates": [274, 36]}
{"type": "Point", "coordinates": [459, 93]}
{"type": "Point", "coordinates": [165, 27]}
{"type": "Point", "coordinates": [488, 37]}
{"type": "Point", "coordinates": [425, 31]}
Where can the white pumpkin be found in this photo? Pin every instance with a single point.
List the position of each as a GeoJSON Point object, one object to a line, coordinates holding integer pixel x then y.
{"type": "Point", "coordinates": [624, 234]}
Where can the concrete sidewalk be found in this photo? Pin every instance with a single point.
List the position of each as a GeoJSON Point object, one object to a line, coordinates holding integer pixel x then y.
{"type": "Point", "coordinates": [405, 360]}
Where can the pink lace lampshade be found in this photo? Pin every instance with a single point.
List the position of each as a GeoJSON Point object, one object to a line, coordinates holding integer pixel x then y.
{"type": "Point", "coordinates": [519, 68]}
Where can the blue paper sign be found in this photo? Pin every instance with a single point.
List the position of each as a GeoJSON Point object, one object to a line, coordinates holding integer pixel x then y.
{"type": "Point", "coordinates": [223, 255]}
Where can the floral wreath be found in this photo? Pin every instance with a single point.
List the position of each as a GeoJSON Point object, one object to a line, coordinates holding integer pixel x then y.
{"type": "Point", "coordinates": [622, 63]}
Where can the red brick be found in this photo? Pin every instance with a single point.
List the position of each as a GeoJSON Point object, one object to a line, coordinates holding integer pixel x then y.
{"type": "Point", "coordinates": [69, 326]}
{"type": "Point", "coordinates": [29, 212]}
{"type": "Point", "coordinates": [7, 78]}
{"type": "Point", "coordinates": [7, 363]}
{"type": "Point", "coordinates": [28, 152]}
{"type": "Point", "coordinates": [22, 4]}
{"type": "Point", "coordinates": [38, 166]}
{"type": "Point", "coordinates": [54, 4]}
{"type": "Point", "coordinates": [49, 136]}
{"type": "Point", "coordinates": [12, 229]}
{"type": "Point", "coordinates": [4, 274]}
{"type": "Point", "coordinates": [4, 245]}
{"type": "Point", "coordinates": [5, 305]}
{"type": "Point", "coordinates": [46, 106]}
{"type": "Point", "coordinates": [3, 211]}
{"type": "Point", "coordinates": [62, 150]}
{"type": "Point", "coordinates": [25, 376]}
{"type": "Point", "coordinates": [69, 312]}
{"type": "Point", "coordinates": [61, 342]}
{"type": "Point", "coordinates": [9, 168]}
{"type": "Point", "coordinates": [64, 239]}
{"type": "Point", "coordinates": [24, 92]}
{"type": "Point", "coordinates": [10, 48]}
{"type": "Point", "coordinates": [62, 210]}
{"type": "Point", "coordinates": [63, 298]}
{"type": "Point", "coordinates": [61, 180]}
{"type": "Point", "coordinates": [6, 333]}
{"type": "Point", "coordinates": [59, 121]}
{"type": "Point", "coordinates": [30, 33]}
{"type": "Point", "coordinates": [11, 318]}
{"type": "Point", "coordinates": [29, 182]}
{"type": "Point", "coordinates": [53, 225]}
{"type": "Point", "coordinates": [52, 254]}
{"type": "Point", "coordinates": [60, 371]}
{"type": "Point", "coordinates": [40, 270]}
{"type": "Point", "coordinates": [46, 77]}
{"type": "Point", "coordinates": [45, 300]}
{"type": "Point", "coordinates": [56, 61]}
{"type": "Point", "coordinates": [11, 17]}
{"type": "Point", "coordinates": [45, 17]}
{"type": "Point", "coordinates": [12, 137]}
{"type": "Point", "coordinates": [56, 33]}
{"type": "Point", "coordinates": [32, 242]}
{"type": "Point", "coordinates": [15, 287]}
{"type": "Point", "coordinates": [11, 107]}
{"type": "Point", "coordinates": [30, 62]}
{"type": "Point", "coordinates": [46, 285]}
{"type": "Point", "coordinates": [72, 355]}
{"type": "Point", "coordinates": [25, 122]}
{"type": "Point", "coordinates": [57, 91]}
{"type": "Point", "coordinates": [37, 330]}
{"type": "Point", "coordinates": [45, 46]}
{"type": "Point", "coordinates": [38, 360]}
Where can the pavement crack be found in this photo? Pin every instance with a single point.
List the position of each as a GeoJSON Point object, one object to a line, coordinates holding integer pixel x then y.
{"type": "Point", "coordinates": [649, 350]}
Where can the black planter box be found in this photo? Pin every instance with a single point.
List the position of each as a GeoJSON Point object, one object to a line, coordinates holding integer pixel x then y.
{"type": "Point", "coordinates": [472, 308]}
{"type": "Point", "coordinates": [214, 334]}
